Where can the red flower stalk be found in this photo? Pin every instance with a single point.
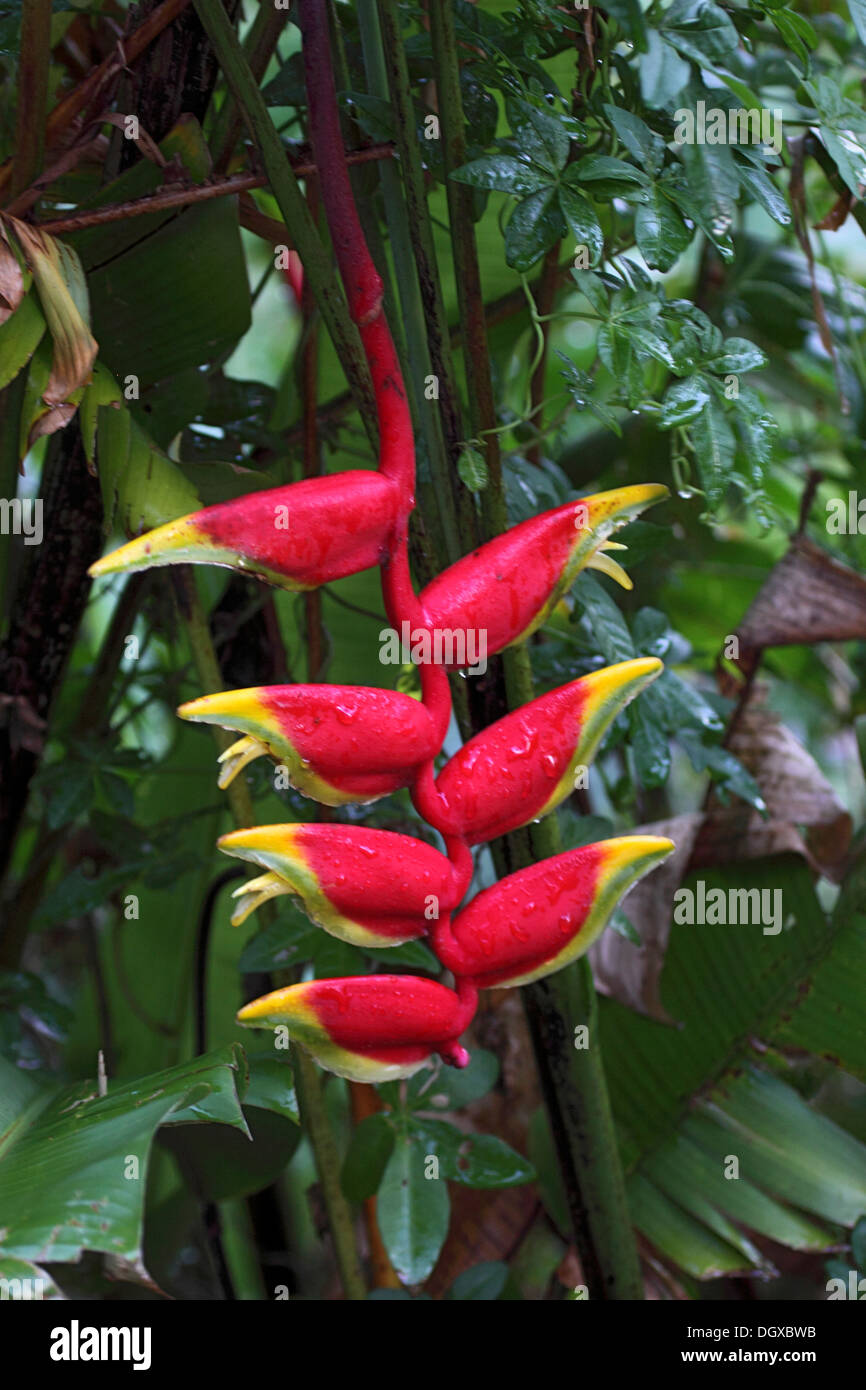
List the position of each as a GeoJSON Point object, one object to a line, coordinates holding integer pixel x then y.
{"type": "Point", "coordinates": [371, 1027]}
{"type": "Point", "coordinates": [534, 922]}
{"type": "Point", "coordinates": [510, 586]}
{"type": "Point", "coordinates": [368, 887]}
{"type": "Point", "coordinates": [339, 743]}
{"type": "Point", "coordinates": [524, 765]}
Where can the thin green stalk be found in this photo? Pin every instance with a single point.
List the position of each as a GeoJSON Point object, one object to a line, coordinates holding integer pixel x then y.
{"type": "Point", "coordinates": [435, 318]}
{"type": "Point", "coordinates": [476, 359]}
{"type": "Point", "coordinates": [575, 1087]}
{"type": "Point", "coordinates": [437, 497]}
{"type": "Point", "coordinates": [572, 1078]}
{"type": "Point", "coordinates": [293, 206]}
{"type": "Point", "coordinates": [32, 94]}
{"type": "Point", "coordinates": [259, 46]}
{"type": "Point", "coordinates": [238, 1242]}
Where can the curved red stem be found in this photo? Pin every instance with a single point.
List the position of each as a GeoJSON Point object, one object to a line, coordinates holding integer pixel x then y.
{"type": "Point", "coordinates": [363, 287]}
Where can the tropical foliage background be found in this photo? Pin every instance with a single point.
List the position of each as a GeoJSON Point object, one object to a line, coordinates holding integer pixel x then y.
{"type": "Point", "coordinates": [692, 314]}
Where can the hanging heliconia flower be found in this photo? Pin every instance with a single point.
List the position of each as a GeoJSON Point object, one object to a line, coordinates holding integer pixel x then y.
{"type": "Point", "coordinates": [338, 743]}
{"type": "Point", "coordinates": [297, 537]}
{"type": "Point", "coordinates": [342, 744]}
{"type": "Point", "coordinates": [370, 1028]}
{"type": "Point", "coordinates": [368, 887]}
{"type": "Point", "coordinates": [524, 765]}
{"type": "Point", "coordinates": [510, 586]}
{"type": "Point", "coordinates": [538, 920]}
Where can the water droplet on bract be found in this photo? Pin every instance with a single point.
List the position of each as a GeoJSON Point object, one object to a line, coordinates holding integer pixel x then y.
{"type": "Point", "coordinates": [346, 713]}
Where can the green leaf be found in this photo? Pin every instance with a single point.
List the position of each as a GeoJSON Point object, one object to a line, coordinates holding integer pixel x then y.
{"type": "Point", "coordinates": [271, 1085]}
{"type": "Point", "coordinates": [715, 447]}
{"type": "Point", "coordinates": [73, 1165]}
{"type": "Point", "coordinates": [712, 1095]}
{"type": "Point", "coordinates": [141, 486]}
{"type": "Point", "coordinates": [543, 137]}
{"type": "Point", "coordinates": [582, 221]}
{"type": "Point", "coordinates": [608, 177]}
{"type": "Point", "coordinates": [605, 623]}
{"type": "Point", "coordinates": [483, 1283]}
{"type": "Point", "coordinates": [71, 792]}
{"type": "Point", "coordinates": [288, 87]}
{"type": "Point", "coordinates": [412, 1211]}
{"type": "Point", "coordinates": [20, 336]}
{"type": "Point", "coordinates": [739, 356]}
{"type": "Point", "coordinates": [857, 11]}
{"type": "Point", "coordinates": [175, 300]}
{"type": "Point", "coordinates": [650, 747]}
{"type": "Point", "coordinates": [472, 469]}
{"type": "Point", "coordinates": [723, 767]}
{"type": "Point", "coordinates": [709, 196]}
{"type": "Point", "coordinates": [642, 143]}
{"type": "Point", "coordinates": [683, 401]}
{"type": "Point", "coordinates": [475, 1160]}
{"type": "Point", "coordinates": [660, 231]}
{"type": "Point", "coordinates": [535, 225]}
{"type": "Point", "coordinates": [700, 30]}
{"type": "Point", "coordinates": [503, 174]}
{"type": "Point", "coordinates": [450, 1088]}
{"type": "Point", "coordinates": [22, 1281]}
{"type": "Point", "coordinates": [663, 73]}
{"type": "Point", "coordinates": [758, 184]}
{"type": "Point", "coordinates": [623, 927]}
{"type": "Point", "coordinates": [370, 1148]}
{"type": "Point", "coordinates": [220, 1165]}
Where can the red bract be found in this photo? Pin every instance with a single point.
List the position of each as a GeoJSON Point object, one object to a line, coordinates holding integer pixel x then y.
{"type": "Point", "coordinates": [538, 920]}
{"type": "Point", "coordinates": [339, 743]}
{"type": "Point", "coordinates": [369, 887]}
{"type": "Point", "coordinates": [524, 765]}
{"type": "Point", "coordinates": [296, 537]}
{"type": "Point", "coordinates": [507, 588]}
{"type": "Point", "coordinates": [371, 1027]}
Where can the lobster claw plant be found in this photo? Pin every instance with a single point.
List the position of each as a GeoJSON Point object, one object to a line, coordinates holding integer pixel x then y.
{"type": "Point", "coordinates": [342, 744]}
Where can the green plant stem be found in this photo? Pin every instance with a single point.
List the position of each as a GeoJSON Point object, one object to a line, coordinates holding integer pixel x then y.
{"type": "Point", "coordinates": [572, 1079]}
{"type": "Point", "coordinates": [575, 1087]}
{"type": "Point", "coordinates": [482, 407]}
{"type": "Point", "coordinates": [293, 206]}
{"type": "Point", "coordinates": [32, 94]}
{"type": "Point", "coordinates": [310, 1099]}
{"type": "Point", "coordinates": [238, 1242]}
{"type": "Point", "coordinates": [259, 46]}
{"type": "Point", "coordinates": [423, 246]}
{"type": "Point", "coordinates": [437, 497]}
